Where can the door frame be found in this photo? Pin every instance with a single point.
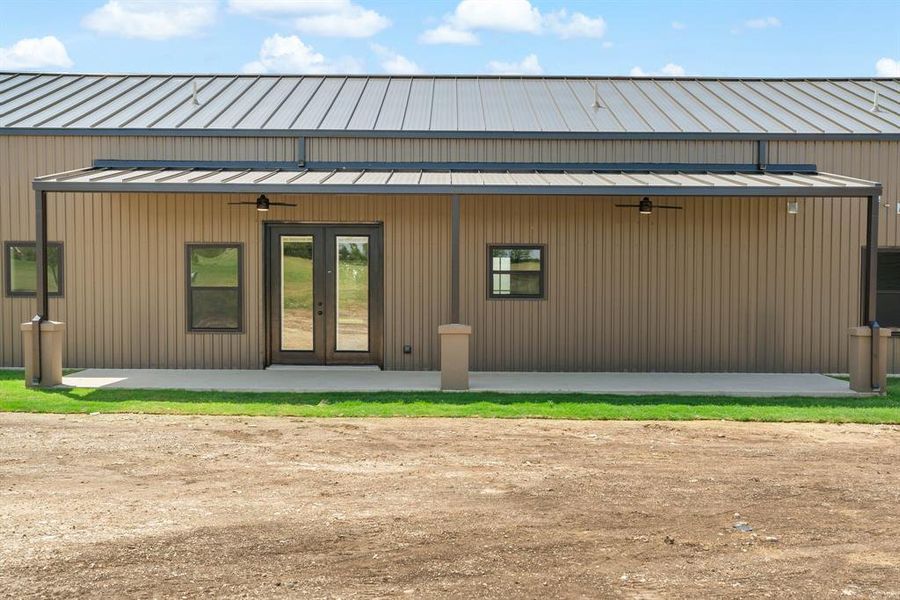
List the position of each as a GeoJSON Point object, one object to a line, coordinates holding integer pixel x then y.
{"type": "Point", "coordinates": [271, 293]}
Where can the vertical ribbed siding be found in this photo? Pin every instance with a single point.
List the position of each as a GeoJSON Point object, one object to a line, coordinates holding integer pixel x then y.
{"type": "Point", "coordinates": [110, 239]}
{"type": "Point", "coordinates": [528, 151]}
{"type": "Point", "coordinates": [726, 284]}
{"type": "Point", "coordinates": [125, 286]}
{"type": "Point", "coordinates": [877, 161]}
{"type": "Point", "coordinates": [689, 290]}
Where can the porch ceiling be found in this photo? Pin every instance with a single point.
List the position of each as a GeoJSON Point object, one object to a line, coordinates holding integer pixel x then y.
{"type": "Point", "coordinates": [534, 182]}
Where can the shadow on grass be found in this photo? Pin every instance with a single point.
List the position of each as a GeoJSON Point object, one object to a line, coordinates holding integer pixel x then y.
{"type": "Point", "coordinates": [113, 395]}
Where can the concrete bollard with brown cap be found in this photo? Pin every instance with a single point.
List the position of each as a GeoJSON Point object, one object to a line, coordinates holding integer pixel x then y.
{"type": "Point", "coordinates": [861, 359]}
{"type": "Point", "coordinates": [455, 356]}
{"type": "Point", "coordinates": [52, 334]}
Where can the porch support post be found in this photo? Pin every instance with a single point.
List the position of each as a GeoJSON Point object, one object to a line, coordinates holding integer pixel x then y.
{"type": "Point", "coordinates": [872, 288]}
{"type": "Point", "coordinates": [454, 259]}
{"type": "Point", "coordinates": [42, 296]}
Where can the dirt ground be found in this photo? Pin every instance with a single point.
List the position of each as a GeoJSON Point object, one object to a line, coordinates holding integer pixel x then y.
{"type": "Point", "coordinates": [125, 506]}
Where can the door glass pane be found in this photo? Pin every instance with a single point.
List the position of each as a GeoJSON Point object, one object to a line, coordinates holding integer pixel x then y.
{"type": "Point", "coordinates": [352, 293]}
{"type": "Point", "coordinates": [297, 292]}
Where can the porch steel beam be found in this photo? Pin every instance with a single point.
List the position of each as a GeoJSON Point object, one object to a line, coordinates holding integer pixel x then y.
{"type": "Point", "coordinates": [872, 287]}
{"type": "Point", "coordinates": [41, 292]}
{"type": "Point", "coordinates": [454, 259]}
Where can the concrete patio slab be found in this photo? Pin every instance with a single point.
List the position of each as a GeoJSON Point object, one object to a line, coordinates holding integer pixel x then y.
{"type": "Point", "coordinates": [355, 379]}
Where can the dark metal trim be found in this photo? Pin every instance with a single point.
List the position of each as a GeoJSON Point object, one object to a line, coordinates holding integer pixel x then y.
{"type": "Point", "coordinates": [762, 157]}
{"type": "Point", "coordinates": [874, 203]}
{"type": "Point", "coordinates": [301, 151]}
{"type": "Point", "coordinates": [102, 163]}
{"type": "Point", "coordinates": [188, 288]}
{"type": "Point", "coordinates": [41, 297]}
{"type": "Point", "coordinates": [7, 247]}
{"type": "Point", "coordinates": [628, 167]}
{"type": "Point", "coordinates": [636, 167]}
{"type": "Point", "coordinates": [454, 258]}
{"type": "Point", "coordinates": [511, 135]}
{"type": "Point", "coordinates": [543, 272]}
{"type": "Point", "coordinates": [474, 190]}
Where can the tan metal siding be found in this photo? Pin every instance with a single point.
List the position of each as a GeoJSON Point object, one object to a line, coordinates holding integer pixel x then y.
{"type": "Point", "coordinates": [112, 237]}
{"type": "Point", "coordinates": [692, 290]}
{"type": "Point", "coordinates": [552, 151]}
{"type": "Point", "coordinates": [125, 299]}
{"type": "Point", "coordinates": [723, 285]}
{"type": "Point", "coordinates": [877, 161]}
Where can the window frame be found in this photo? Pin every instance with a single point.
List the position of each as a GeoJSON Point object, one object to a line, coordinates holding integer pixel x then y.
{"type": "Point", "coordinates": [895, 328]}
{"type": "Point", "coordinates": [7, 269]}
{"type": "Point", "coordinates": [541, 295]}
{"type": "Point", "coordinates": [190, 288]}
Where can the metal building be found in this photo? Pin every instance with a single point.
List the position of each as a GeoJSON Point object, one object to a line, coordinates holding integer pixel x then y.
{"type": "Point", "coordinates": [225, 221]}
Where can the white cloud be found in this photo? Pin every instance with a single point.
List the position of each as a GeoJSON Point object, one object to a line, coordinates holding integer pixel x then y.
{"type": "Point", "coordinates": [497, 15]}
{"type": "Point", "coordinates": [762, 23]}
{"type": "Point", "coordinates": [678, 25]}
{"type": "Point", "coordinates": [333, 18]}
{"type": "Point", "coordinates": [288, 54]}
{"type": "Point", "coordinates": [355, 22]}
{"type": "Point", "coordinates": [577, 25]}
{"type": "Point", "coordinates": [527, 66]}
{"type": "Point", "coordinates": [151, 20]}
{"type": "Point", "coordinates": [513, 16]}
{"type": "Point", "coordinates": [282, 7]}
{"type": "Point", "coordinates": [34, 53]}
{"type": "Point", "coordinates": [887, 67]}
{"type": "Point", "coordinates": [394, 63]}
{"type": "Point", "coordinates": [668, 70]}
{"type": "Point", "coordinates": [607, 44]}
{"type": "Point", "coordinates": [447, 34]}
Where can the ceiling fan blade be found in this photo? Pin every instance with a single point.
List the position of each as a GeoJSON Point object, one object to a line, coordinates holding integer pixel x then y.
{"type": "Point", "coordinates": [628, 205]}
{"type": "Point", "coordinates": [669, 207]}
{"type": "Point", "coordinates": [253, 203]}
{"type": "Point", "coordinates": [281, 204]}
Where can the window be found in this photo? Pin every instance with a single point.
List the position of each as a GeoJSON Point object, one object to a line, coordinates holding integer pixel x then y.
{"type": "Point", "coordinates": [515, 271]}
{"type": "Point", "coordinates": [20, 261]}
{"type": "Point", "coordinates": [888, 298]}
{"type": "Point", "coordinates": [214, 283]}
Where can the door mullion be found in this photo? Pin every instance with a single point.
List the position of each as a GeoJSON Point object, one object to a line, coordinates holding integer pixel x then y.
{"type": "Point", "coordinates": [320, 287]}
{"type": "Point", "coordinates": [330, 295]}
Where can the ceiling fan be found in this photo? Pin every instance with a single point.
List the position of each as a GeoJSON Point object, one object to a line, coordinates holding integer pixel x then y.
{"type": "Point", "coordinates": [646, 206]}
{"type": "Point", "coordinates": [262, 203]}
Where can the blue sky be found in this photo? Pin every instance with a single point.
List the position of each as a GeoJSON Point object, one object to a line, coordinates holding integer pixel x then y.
{"type": "Point", "coordinates": [812, 38]}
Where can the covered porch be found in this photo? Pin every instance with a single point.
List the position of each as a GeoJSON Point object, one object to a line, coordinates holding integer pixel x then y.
{"type": "Point", "coordinates": [630, 183]}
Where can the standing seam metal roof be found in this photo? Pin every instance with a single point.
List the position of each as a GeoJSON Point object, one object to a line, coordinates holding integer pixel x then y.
{"type": "Point", "coordinates": [322, 105]}
{"type": "Point", "coordinates": [414, 181]}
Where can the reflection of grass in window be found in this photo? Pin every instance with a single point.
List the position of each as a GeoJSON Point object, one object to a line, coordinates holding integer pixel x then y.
{"type": "Point", "coordinates": [527, 265]}
{"type": "Point", "coordinates": [214, 267]}
{"type": "Point", "coordinates": [23, 269]}
{"type": "Point", "coordinates": [298, 287]}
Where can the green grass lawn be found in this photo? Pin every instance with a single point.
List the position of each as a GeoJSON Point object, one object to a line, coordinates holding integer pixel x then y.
{"type": "Point", "coordinates": [14, 397]}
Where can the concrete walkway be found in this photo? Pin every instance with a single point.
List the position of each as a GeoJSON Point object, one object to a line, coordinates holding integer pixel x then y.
{"type": "Point", "coordinates": [365, 379]}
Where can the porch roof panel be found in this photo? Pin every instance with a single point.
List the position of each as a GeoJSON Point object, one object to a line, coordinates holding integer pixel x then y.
{"type": "Point", "coordinates": [418, 181]}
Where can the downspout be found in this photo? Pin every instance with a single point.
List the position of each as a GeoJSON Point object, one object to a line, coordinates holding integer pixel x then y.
{"type": "Point", "coordinates": [454, 259]}
{"type": "Point", "coordinates": [762, 155]}
{"type": "Point", "coordinates": [40, 292]}
{"type": "Point", "coordinates": [872, 288]}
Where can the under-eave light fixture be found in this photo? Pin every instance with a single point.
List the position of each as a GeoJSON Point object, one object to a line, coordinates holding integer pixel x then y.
{"type": "Point", "coordinates": [793, 207]}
